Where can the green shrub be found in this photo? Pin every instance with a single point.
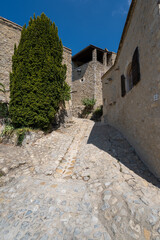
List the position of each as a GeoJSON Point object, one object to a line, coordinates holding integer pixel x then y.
{"type": "Point", "coordinates": [2, 88]}
{"type": "Point", "coordinates": [3, 110]}
{"type": "Point", "coordinates": [89, 103]}
{"type": "Point", "coordinates": [8, 130]}
{"type": "Point", "coordinates": [3, 105]}
{"type": "Point", "coordinates": [37, 81]}
{"type": "Point", "coordinates": [21, 132]}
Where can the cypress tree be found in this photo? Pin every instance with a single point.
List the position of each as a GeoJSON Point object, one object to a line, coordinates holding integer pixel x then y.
{"type": "Point", "coordinates": [37, 81]}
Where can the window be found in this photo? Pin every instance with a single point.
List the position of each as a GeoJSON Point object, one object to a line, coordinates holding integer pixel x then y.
{"type": "Point", "coordinates": [123, 87]}
{"type": "Point", "coordinates": [129, 81]}
{"type": "Point", "coordinates": [82, 80]}
{"type": "Point", "coordinates": [132, 75]}
{"type": "Point", "coordinates": [135, 67]}
{"type": "Point", "coordinates": [79, 70]}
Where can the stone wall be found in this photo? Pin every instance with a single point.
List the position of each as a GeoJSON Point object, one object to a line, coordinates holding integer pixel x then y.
{"type": "Point", "coordinates": [81, 87]}
{"type": "Point", "coordinates": [86, 82]}
{"type": "Point", "coordinates": [10, 34]}
{"type": "Point", "coordinates": [67, 59]}
{"type": "Point", "coordinates": [137, 114]}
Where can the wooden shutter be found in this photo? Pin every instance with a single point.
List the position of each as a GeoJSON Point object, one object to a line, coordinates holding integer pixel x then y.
{"type": "Point", "coordinates": [123, 87]}
{"type": "Point", "coordinates": [135, 67]}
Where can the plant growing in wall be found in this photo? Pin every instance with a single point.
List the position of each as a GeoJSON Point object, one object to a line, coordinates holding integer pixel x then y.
{"type": "Point", "coordinates": [2, 88]}
{"type": "Point", "coordinates": [89, 104]}
{"type": "Point", "coordinates": [37, 81]}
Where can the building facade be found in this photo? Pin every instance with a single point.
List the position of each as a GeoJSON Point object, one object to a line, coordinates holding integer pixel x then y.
{"type": "Point", "coordinates": [131, 88]}
{"type": "Point", "coordinates": [10, 34]}
{"type": "Point", "coordinates": [88, 66]}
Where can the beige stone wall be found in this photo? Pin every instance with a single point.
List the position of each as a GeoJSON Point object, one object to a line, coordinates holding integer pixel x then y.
{"type": "Point", "coordinates": [100, 69]}
{"type": "Point", "coordinates": [67, 59]}
{"type": "Point", "coordinates": [87, 84]}
{"type": "Point", "coordinates": [82, 86]}
{"type": "Point", "coordinates": [10, 34]}
{"type": "Point", "coordinates": [137, 115]}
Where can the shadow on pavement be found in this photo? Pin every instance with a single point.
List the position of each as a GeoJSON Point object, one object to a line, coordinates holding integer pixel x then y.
{"type": "Point", "coordinates": [112, 141]}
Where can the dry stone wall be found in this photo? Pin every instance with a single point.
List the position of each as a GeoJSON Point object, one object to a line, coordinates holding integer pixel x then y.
{"type": "Point", "coordinates": [137, 114]}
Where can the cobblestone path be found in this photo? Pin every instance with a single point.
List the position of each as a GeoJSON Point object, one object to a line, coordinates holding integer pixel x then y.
{"type": "Point", "coordinates": [80, 182]}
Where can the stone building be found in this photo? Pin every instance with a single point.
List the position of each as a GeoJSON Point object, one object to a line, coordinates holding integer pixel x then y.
{"type": "Point", "coordinates": [131, 88]}
{"type": "Point", "coordinates": [10, 34]}
{"type": "Point", "coordinates": [88, 67]}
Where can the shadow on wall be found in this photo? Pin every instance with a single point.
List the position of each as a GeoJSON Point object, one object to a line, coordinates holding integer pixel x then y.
{"type": "Point", "coordinates": [79, 72]}
{"type": "Point", "coordinates": [111, 141]}
{"type": "Point", "coordinates": [92, 114]}
{"type": "Point", "coordinates": [60, 118]}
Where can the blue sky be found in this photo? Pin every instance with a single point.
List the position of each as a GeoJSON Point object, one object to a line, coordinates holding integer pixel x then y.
{"type": "Point", "coordinates": [80, 22]}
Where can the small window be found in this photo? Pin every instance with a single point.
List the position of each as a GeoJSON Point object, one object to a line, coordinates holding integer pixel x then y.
{"type": "Point", "coordinates": [82, 80]}
{"type": "Point", "coordinates": [79, 71]}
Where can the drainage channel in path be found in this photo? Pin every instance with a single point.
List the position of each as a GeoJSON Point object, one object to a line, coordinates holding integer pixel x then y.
{"type": "Point", "coordinates": [67, 163]}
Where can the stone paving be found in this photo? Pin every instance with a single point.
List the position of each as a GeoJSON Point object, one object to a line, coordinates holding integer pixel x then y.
{"type": "Point", "coordinates": [82, 182]}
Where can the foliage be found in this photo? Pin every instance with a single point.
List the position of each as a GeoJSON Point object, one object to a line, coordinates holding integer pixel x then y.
{"type": "Point", "coordinates": [21, 132]}
{"type": "Point", "coordinates": [7, 131]}
{"type": "Point", "coordinates": [4, 113]}
{"type": "Point", "coordinates": [89, 103]}
{"type": "Point", "coordinates": [37, 81]}
{"type": "Point", "coordinates": [97, 114]}
{"type": "Point", "coordinates": [2, 88]}
{"type": "Point", "coordinates": [3, 110]}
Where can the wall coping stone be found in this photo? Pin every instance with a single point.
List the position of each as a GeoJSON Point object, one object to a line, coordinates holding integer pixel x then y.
{"type": "Point", "coordinates": [10, 23]}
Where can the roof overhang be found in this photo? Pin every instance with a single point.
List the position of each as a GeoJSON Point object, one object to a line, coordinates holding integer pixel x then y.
{"type": "Point", "coordinates": [87, 51]}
